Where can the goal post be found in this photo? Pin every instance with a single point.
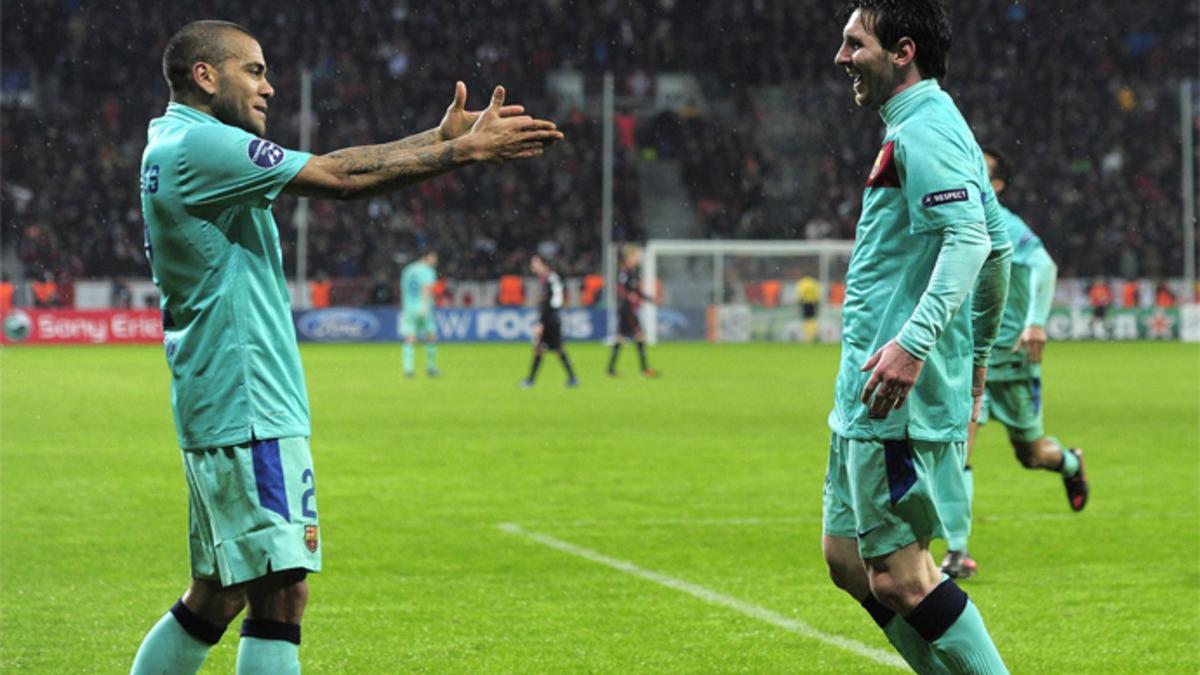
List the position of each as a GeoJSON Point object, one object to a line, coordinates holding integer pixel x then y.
{"type": "Point", "coordinates": [727, 280]}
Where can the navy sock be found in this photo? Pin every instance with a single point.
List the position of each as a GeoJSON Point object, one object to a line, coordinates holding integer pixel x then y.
{"type": "Point", "coordinates": [265, 629]}
{"type": "Point", "coordinates": [953, 627]}
{"type": "Point", "coordinates": [269, 647]}
{"type": "Point", "coordinates": [938, 611]}
{"type": "Point", "coordinates": [916, 651]}
{"type": "Point", "coordinates": [195, 625]}
{"type": "Point", "coordinates": [880, 613]}
{"type": "Point", "coordinates": [178, 643]}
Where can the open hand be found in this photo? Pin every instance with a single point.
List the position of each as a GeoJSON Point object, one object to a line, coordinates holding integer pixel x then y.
{"type": "Point", "coordinates": [1033, 339]}
{"type": "Point", "coordinates": [497, 138]}
{"type": "Point", "coordinates": [894, 372]}
{"type": "Point", "coordinates": [458, 120]}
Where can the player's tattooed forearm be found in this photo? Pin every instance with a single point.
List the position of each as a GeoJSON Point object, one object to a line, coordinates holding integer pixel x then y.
{"type": "Point", "coordinates": [388, 158]}
{"type": "Point", "coordinates": [427, 137]}
{"type": "Point", "coordinates": [441, 160]}
{"type": "Point", "coordinates": [361, 160]}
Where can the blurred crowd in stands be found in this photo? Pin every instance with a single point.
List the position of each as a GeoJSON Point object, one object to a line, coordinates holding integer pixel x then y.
{"type": "Point", "coordinates": [1083, 97]}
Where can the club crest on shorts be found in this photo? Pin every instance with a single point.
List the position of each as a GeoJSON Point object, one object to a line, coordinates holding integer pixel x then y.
{"type": "Point", "coordinates": [310, 538]}
{"type": "Point", "coordinates": [264, 154]}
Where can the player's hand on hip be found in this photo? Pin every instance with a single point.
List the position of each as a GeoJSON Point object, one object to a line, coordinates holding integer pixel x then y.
{"type": "Point", "coordinates": [893, 373]}
{"type": "Point", "coordinates": [978, 384]}
{"type": "Point", "coordinates": [458, 120]}
{"type": "Point", "coordinates": [497, 138]}
{"type": "Point", "coordinates": [1033, 339]}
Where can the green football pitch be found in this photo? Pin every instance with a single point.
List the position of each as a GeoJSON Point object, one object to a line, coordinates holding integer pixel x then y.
{"type": "Point", "coordinates": [629, 525]}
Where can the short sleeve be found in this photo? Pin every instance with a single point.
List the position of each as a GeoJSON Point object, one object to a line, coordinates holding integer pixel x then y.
{"type": "Point", "coordinates": [940, 179]}
{"type": "Point", "coordinates": [221, 165]}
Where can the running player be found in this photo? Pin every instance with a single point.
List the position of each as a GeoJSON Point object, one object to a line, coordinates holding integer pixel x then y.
{"type": "Point", "coordinates": [417, 322]}
{"type": "Point", "coordinates": [1014, 385]}
{"type": "Point", "coordinates": [905, 384]}
{"type": "Point", "coordinates": [208, 178]}
{"type": "Point", "coordinates": [629, 300]}
{"type": "Point", "coordinates": [548, 333]}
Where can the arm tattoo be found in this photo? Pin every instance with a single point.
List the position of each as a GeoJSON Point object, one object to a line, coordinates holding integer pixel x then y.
{"type": "Point", "coordinates": [440, 161]}
{"type": "Point", "coordinates": [427, 137]}
{"type": "Point", "coordinates": [376, 158]}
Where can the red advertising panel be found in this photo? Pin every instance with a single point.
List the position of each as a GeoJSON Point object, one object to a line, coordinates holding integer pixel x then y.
{"type": "Point", "coordinates": [81, 327]}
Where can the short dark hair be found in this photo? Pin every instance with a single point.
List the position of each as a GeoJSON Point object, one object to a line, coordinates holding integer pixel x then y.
{"type": "Point", "coordinates": [925, 22]}
{"type": "Point", "coordinates": [1004, 168]}
{"type": "Point", "coordinates": [198, 41]}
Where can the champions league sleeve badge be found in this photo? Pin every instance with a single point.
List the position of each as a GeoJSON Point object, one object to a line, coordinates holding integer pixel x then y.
{"type": "Point", "coordinates": [264, 154]}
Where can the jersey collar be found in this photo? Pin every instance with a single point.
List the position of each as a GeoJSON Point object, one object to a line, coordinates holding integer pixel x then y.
{"type": "Point", "coordinates": [899, 106]}
{"type": "Point", "coordinates": [186, 112]}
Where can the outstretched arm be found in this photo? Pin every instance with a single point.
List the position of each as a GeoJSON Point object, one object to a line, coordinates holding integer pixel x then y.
{"type": "Point", "coordinates": [365, 171]}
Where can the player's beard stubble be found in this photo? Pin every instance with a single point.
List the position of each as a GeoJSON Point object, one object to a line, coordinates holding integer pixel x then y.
{"type": "Point", "coordinates": [237, 113]}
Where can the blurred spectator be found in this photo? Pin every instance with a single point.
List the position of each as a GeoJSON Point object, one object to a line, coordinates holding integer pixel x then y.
{"type": "Point", "coordinates": [318, 290]}
{"type": "Point", "coordinates": [1100, 297]}
{"type": "Point", "coordinates": [1129, 293]}
{"type": "Point", "coordinates": [382, 292]}
{"type": "Point", "coordinates": [6, 293]}
{"type": "Point", "coordinates": [45, 291]}
{"type": "Point", "coordinates": [593, 290]}
{"type": "Point", "coordinates": [1163, 295]}
{"type": "Point", "coordinates": [512, 291]}
{"type": "Point", "coordinates": [121, 296]}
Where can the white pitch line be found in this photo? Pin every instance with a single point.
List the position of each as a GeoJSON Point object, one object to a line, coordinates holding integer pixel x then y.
{"type": "Point", "coordinates": [710, 596]}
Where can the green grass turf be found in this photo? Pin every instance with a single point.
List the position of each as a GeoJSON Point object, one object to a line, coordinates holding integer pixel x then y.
{"type": "Point", "coordinates": [711, 474]}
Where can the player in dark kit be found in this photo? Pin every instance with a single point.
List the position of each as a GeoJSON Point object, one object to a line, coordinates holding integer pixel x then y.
{"type": "Point", "coordinates": [549, 329]}
{"type": "Point", "coordinates": [629, 300]}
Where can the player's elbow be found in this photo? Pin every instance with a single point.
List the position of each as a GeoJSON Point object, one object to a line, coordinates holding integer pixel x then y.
{"type": "Point", "coordinates": [343, 187]}
{"type": "Point", "coordinates": [324, 177]}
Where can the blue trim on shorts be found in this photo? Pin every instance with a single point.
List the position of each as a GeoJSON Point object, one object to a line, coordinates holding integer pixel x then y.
{"type": "Point", "coordinates": [1035, 392]}
{"type": "Point", "coordinates": [268, 476]}
{"type": "Point", "coordinates": [901, 475]}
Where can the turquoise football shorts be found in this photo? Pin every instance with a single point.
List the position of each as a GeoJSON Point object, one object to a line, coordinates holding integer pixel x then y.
{"type": "Point", "coordinates": [1017, 404]}
{"type": "Point", "coordinates": [886, 494]}
{"type": "Point", "coordinates": [418, 324]}
{"type": "Point", "coordinates": [252, 510]}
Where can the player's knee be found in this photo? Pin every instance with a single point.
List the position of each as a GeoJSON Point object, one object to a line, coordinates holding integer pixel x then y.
{"type": "Point", "coordinates": [280, 596]}
{"type": "Point", "coordinates": [847, 574]}
{"type": "Point", "coordinates": [214, 604]}
{"type": "Point", "coordinates": [898, 593]}
{"type": "Point", "coordinates": [1025, 454]}
{"type": "Point", "coordinates": [843, 577]}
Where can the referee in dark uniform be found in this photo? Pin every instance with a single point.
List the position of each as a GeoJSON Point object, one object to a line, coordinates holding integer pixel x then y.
{"type": "Point", "coordinates": [549, 329]}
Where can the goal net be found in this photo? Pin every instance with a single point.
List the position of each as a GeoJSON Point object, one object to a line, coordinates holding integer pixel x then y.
{"type": "Point", "coordinates": [744, 290]}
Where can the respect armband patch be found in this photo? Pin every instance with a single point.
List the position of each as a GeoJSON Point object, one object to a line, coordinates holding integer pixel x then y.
{"type": "Point", "coordinates": [944, 197]}
{"type": "Point", "coordinates": [264, 154]}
